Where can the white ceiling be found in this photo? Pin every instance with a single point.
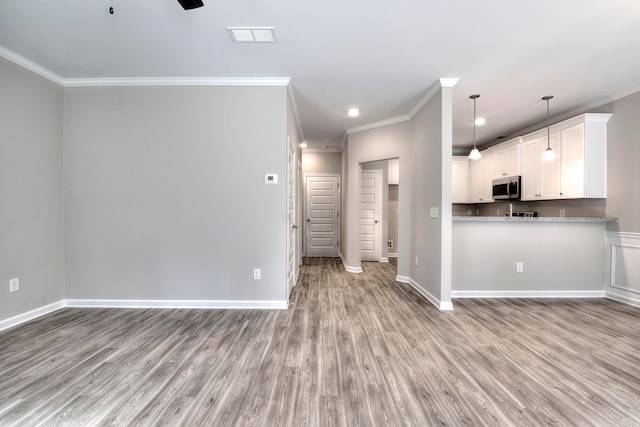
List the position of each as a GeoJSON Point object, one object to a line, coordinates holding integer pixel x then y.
{"type": "Point", "coordinates": [379, 55]}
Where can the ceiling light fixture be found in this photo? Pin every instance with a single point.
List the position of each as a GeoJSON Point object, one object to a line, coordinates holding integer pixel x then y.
{"type": "Point", "coordinates": [480, 121]}
{"type": "Point", "coordinates": [548, 153]}
{"type": "Point", "coordinates": [303, 145]}
{"type": "Point", "coordinates": [353, 112]}
{"type": "Point", "coordinates": [252, 34]}
{"type": "Point", "coordinates": [475, 154]}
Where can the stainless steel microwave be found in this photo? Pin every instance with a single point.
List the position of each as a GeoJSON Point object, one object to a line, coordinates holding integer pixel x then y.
{"type": "Point", "coordinates": [506, 188]}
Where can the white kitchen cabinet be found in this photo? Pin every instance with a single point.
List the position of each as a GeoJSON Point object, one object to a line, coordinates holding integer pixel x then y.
{"type": "Point", "coordinates": [507, 159]}
{"type": "Point", "coordinates": [579, 170]}
{"type": "Point", "coordinates": [481, 179]}
{"type": "Point", "coordinates": [540, 178]}
{"type": "Point", "coordinates": [460, 180]}
{"type": "Point", "coordinates": [394, 171]}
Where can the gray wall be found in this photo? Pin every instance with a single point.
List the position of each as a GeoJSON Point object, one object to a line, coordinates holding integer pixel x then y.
{"type": "Point", "coordinates": [387, 142]}
{"type": "Point", "coordinates": [165, 195]}
{"type": "Point", "coordinates": [557, 256]}
{"type": "Point", "coordinates": [431, 144]}
{"type": "Point", "coordinates": [623, 158]}
{"type": "Point", "coordinates": [31, 244]}
{"type": "Point", "coordinates": [328, 162]}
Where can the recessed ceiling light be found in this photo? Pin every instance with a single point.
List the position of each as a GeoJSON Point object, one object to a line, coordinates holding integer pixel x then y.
{"type": "Point", "coordinates": [252, 34]}
{"type": "Point", "coordinates": [353, 112]}
{"type": "Point", "coordinates": [303, 145]}
{"type": "Point", "coordinates": [480, 121]}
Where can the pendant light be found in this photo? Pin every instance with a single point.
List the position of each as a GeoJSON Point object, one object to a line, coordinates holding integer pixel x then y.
{"type": "Point", "coordinates": [548, 153]}
{"type": "Point", "coordinates": [475, 154]}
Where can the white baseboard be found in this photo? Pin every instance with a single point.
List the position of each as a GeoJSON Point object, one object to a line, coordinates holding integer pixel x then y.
{"type": "Point", "coordinates": [441, 305]}
{"type": "Point", "coordinates": [384, 259]}
{"type": "Point", "coordinates": [30, 315]}
{"type": "Point", "coordinates": [623, 299]}
{"type": "Point", "coordinates": [392, 255]}
{"type": "Point", "coordinates": [348, 268]}
{"type": "Point", "coordinates": [187, 304]}
{"type": "Point", "coordinates": [527, 294]}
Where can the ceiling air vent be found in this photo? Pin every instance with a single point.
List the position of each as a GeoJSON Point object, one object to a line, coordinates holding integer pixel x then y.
{"type": "Point", "coordinates": [252, 34]}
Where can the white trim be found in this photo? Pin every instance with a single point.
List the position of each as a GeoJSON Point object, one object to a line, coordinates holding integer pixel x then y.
{"type": "Point", "coordinates": [187, 304]}
{"type": "Point", "coordinates": [444, 82]}
{"type": "Point", "coordinates": [384, 259]}
{"type": "Point", "coordinates": [179, 81]}
{"type": "Point", "coordinates": [322, 150]}
{"type": "Point", "coordinates": [381, 123]}
{"type": "Point", "coordinates": [440, 305]}
{"type": "Point", "coordinates": [392, 254]}
{"type": "Point", "coordinates": [623, 299]}
{"type": "Point", "coordinates": [31, 66]}
{"type": "Point", "coordinates": [527, 294]}
{"type": "Point", "coordinates": [348, 268]}
{"type": "Point", "coordinates": [30, 315]}
{"type": "Point", "coordinates": [294, 107]}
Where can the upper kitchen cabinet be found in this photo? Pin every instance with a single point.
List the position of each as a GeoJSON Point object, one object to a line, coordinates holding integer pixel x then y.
{"type": "Point", "coordinates": [579, 169]}
{"type": "Point", "coordinates": [507, 158]}
{"type": "Point", "coordinates": [540, 178]}
{"type": "Point", "coordinates": [460, 180]}
{"type": "Point", "coordinates": [481, 178]}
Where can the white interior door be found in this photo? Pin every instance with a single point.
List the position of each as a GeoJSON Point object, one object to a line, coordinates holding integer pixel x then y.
{"type": "Point", "coordinates": [322, 215]}
{"type": "Point", "coordinates": [370, 214]}
{"type": "Point", "coordinates": [292, 230]}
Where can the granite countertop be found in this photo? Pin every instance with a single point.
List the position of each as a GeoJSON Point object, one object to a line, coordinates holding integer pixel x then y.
{"type": "Point", "coordinates": [532, 219]}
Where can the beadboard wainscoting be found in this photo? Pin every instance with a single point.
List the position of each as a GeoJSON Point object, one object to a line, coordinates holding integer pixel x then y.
{"type": "Point", "coordinates": [622, 267]}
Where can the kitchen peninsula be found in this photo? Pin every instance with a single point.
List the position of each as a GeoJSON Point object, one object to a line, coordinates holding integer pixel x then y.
{"type": "Point", "coordinates": [528, 257]}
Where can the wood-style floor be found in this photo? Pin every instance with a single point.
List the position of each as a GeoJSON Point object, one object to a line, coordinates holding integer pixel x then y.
{"type": "Point", "coordinates": [352, 350]}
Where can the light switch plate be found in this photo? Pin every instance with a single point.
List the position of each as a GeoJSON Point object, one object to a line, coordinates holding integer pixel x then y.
{"type": "Point", "coordinates": [270, 178]}
{"type": "Point", "coordinates": [433, 212]}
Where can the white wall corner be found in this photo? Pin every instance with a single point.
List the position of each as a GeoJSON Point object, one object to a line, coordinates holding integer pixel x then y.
{"type": "Point", "coordinates": [294, 107]}
{"type": "Point", "coordinates": [348, 268]}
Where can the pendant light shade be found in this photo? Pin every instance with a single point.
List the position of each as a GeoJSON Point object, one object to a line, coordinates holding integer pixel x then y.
{"type": "Point", "coordinates": [548, 153]}
{"type": "Point", "coordinates": [475, 153]}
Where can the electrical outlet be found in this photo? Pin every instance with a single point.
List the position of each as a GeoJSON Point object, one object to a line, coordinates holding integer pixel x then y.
{"type": "Point", "coordinates": [257, 274]}
{"type": "Point", "coordinates": [14, 285]}
{"type": "Point", "coordinates": [519, 267]}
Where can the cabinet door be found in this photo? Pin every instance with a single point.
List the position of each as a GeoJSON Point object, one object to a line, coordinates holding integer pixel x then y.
{"type": "Point", "coordinates": [572, 162]}
{"type": "Point", "coordinates": [550, 188]}
{"type": "Point", "coordinates": [476, 179]}
{"type": "Point", "coordinates": [460, 181]}
{"type": "Point", "coordinates": [488, 165]}
{"type": "Point", "coordinates": [500, 164]}
{"type": "Point", "coordinates": [512, 160]}
{"type": "Point", "coordinates": [530, 170]}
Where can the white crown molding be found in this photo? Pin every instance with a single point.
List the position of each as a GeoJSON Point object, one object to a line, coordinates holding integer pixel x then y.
{"type": "Point", "coordinates": [441, 83]}
{"type": "Point", "coordinates": [294, 107]}
{"type": "Point", "coordinates": [322, 150]}
{"type": "Point", "coordinates": [381, 123]}
{"type": "Point", "coordinates": [31, 66]}
{"type": "Point", "coordinates": [178, 81]}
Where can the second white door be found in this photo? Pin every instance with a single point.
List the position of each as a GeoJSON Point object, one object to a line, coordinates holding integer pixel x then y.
{"type": "Point", "coordinates": [370, 215]}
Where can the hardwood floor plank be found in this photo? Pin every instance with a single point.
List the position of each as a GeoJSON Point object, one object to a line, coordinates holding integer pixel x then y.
{"type": "Point", "coordinates": [351, 350]}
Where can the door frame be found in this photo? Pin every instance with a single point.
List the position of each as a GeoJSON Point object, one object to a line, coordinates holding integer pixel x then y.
{"type": "Point", "coordinates": [304, 209]}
